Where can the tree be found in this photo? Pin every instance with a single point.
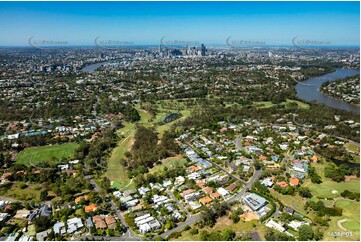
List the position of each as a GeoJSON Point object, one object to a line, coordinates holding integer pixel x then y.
{"type": "Point", "coordinates": [305, 232]}
{"type": "Point", "coordinates": [43, 195]}
{"type": "Point", "coordinates": [22, 185]}
{"type": "Point", "coordinates": [228, 235]}
{"type": "Point", "coordinates": [42, 223]}
{"type": "Point", "coordinates": [305, 192]}
{"type": "Point", "coordinates": [257, 165]}
{"type": "Point", "coordinates": [235, 217]}
{"type": "Point", "coordinates": [193, 231]}
{"type": "Point", "coordinates": [159, 239]}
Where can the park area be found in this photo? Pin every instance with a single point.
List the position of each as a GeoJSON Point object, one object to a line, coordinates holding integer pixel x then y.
{"type": "Point", "coordinates": [33, 155]}
{"type": "Point", "coordinates": [329, 188]}
{"type": "Point", "coordinates": [116, 173]}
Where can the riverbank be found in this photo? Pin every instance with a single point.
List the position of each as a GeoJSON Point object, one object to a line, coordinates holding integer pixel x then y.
{"type": "Point", "coordinates": [309, 90]}
{"type": "Point", "coordinates": [346, 89]}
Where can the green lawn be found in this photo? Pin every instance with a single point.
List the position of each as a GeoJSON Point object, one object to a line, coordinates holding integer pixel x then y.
{"type": "Point", "coordinates": [169, 162]}
{"type": "Point", "coordinates": [327, 186]}
{"type": "Point", "coordinates": [116, 173]}
{"type": "Point", "coordinates": [164, 127]}
{"type": "Point", "coordinates": [351, 211]}
{"type": "Point", "coordinates": [225, 223]}
{"type": "Point", "coordinates": [296, 201]}
{"type": "Point", "coordinates": [268, 104]}
{"type": "Point", "coordinates": [31, 230]}
{"type": "Point", "coordinates": [352, 147]}
{"type": "Point", "coordinates": [34, 155]}
{"type": "Point", "coordinates": [32, 192]}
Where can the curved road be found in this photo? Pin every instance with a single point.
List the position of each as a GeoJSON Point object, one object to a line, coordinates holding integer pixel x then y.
{"type": "Point", "coordinates": [196, 217]}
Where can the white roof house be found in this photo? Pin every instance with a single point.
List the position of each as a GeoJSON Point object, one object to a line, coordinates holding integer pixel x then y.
{"type": "Point", "coordinates": [179, 180]}
{"type": "Point", "coordinates": [297, 224]}
{"type": "Point", "coordinates": [59, 228]}
{"type": "Point", "coordinates": [126, 199]}
{"type": "Point", "coordinates": [246, 168]}
{"type": "Point", "coordinates": [167, 183]}
{"type": "Point", "coordinates": [194, 176]}
{"type": "Point", "coordinates": [223, 191]}
{"type": "Point", "coordinates": [143, 190]}
{"type": "Point", "coordinates": [132, 203]}
{"type": "Point", "coordinates": [273, 225]}
{"type": "Point", "coordinates": [267, 182]}
{"type": "Point", "coordinates": [144, 228]}
{"type": "Point", "coordinates": [74, 224]}
{"type": "Point", "coordinates": [143, 221]}
{"type": "Point", "coordinates": [141, 217]}
{"type": "Point", "coordinates": [117, 194]}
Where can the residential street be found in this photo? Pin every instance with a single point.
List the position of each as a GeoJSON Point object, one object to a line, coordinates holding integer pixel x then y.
{"type": "Point", "coordinates": [196, 217]}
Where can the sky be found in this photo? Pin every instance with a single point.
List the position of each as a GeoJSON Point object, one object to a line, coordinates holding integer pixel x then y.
{"type": "Point", "coordinates": [271, 23]}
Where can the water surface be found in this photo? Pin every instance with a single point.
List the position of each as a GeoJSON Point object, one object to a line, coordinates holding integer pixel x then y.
{"type": "Point", "coordinates": [309, 90]}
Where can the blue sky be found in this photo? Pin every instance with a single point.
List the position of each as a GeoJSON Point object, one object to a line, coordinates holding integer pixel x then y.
{"type": "Point", "coordinates": [79, 23]}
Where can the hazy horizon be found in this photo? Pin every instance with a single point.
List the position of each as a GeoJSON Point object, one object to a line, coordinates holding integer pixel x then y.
{"type": "Point", "coordinates": [211, 23]}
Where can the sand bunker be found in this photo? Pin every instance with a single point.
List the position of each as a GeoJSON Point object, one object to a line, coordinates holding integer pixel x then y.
{"type": "Point", "coordinates": [339, 223]}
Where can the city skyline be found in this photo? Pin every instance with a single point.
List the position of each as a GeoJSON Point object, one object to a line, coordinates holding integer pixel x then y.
{"type": "Point", "coordinates": [212, 23]}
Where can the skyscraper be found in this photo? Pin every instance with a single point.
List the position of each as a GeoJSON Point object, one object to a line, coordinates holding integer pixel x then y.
{"type": "Point", "coordinates": [203, 50]}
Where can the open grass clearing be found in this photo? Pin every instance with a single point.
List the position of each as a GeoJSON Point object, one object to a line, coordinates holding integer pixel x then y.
{"type": "Point", "coordinates": [296, 201]}
{"type": "Point", "coordinates": [269, 104]}
{"type": "Point", "coordinates": [224, 223]}
{"type": "Point", "coordinates": [116, 172]}
{"type": "Point", "coordinates": [31, 192]}
{"type": "Point", "coordinates": [176, 161]}
{"type": "Point", "coordinates": [32, 155]}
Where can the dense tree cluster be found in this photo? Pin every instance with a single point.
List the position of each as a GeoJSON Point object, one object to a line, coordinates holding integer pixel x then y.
{"type": "Point", "coordinates": [226, 235]}
{"type": "Point", "coordinates": [209, 215]}
{"type": "Point", "coordinates": [337, 173]}
{"type": "Point", "coordinates": [146, 151]}
{"type": "Point", "coordinates": [273, 235]}
{"type": "Point", "coordinates": [315, 178]}
{"type": "Point", "coordinates": [351, 195]}
{"type": "Point", "coordinates": [305, 192]}
{"type": "Point", "coordinates": [321, 210]}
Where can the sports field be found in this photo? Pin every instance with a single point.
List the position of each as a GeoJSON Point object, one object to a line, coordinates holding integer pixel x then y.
{"type": "Point", "coordinates": [33, 155]}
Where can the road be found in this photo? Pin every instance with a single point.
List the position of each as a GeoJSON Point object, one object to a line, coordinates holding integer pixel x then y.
{"type": "Point", "coordinates": [257, 174]}
{"type": "Point", "coordinates": [129, 234]}
{"type": "Point", "coordinates": [106, 238]}
{"type": "Point", "coordinates": [189, 221]}
{"type": "Point", "coordinates": [238, 142]}
{"type": "Point", "coordinates": [196, 217]}
{"type": "Point", "coordinates": [228, 173]}
{"type": "Point", "coordinates": [170, 194]}
{"type": "Point", "coordinates": [221, 168]}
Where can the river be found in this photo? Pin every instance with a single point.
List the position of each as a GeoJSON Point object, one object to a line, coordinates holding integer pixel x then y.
{"type": "Point", "coordinates": [309, 90]}
{"type": "Point", "coordinates": [92, 67]}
